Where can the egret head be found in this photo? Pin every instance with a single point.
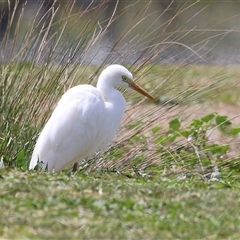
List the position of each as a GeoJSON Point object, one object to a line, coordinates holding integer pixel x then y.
{"type": "Point", "coordinates": [118, 76]}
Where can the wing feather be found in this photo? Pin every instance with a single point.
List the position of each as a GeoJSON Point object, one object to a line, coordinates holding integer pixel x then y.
{"type": "Point", "coordinates": [73, 131]}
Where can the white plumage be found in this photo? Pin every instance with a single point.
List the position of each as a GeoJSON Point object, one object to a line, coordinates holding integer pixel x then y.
{"type": "Point", "coordinates": [85, 120]}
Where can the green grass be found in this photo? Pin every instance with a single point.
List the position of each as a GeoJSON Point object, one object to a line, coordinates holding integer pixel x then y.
{"type": "Point", "coordinates": [111, 206]}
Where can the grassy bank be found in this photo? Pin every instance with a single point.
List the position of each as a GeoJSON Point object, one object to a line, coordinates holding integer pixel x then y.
{"type": "Point", "coordinates": [113, 206]}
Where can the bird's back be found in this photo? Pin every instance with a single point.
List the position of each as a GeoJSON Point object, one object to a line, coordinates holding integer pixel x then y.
{"type": "Point", "coordinates": [74, 131]}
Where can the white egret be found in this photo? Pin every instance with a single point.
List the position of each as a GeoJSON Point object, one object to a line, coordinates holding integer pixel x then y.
{"type": "Point", "coordinates": [85, 120]}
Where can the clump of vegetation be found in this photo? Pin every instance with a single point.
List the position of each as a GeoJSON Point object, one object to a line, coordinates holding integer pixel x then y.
{"type": "Point", "coordinates": [188, 151]}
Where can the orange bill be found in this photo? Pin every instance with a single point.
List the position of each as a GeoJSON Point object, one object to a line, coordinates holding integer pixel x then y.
{"type": "Point", "coordinates": [139, 89]}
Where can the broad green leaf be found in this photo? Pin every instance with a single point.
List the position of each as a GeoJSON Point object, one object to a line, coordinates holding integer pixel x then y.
{"type": "Point", "coordinates": [185, 133]}
{"type": "Point", "coordinates": [208, 117]}
{"type": "Point", "coordinates": [234, 131]}
{"type": "Point", "coordinates": [196, 123]}
{"type": "Point", "coordinates": [223, 121]}
{"type": "Point", "coordinates": [174, 124]}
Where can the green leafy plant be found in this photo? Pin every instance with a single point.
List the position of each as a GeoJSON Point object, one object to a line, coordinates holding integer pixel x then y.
{"type": "Point", "coordinates": [191, 148]}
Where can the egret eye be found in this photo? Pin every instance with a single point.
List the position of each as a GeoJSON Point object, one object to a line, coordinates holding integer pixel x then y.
{"type": "Point", "coordinates": [124, 78]}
